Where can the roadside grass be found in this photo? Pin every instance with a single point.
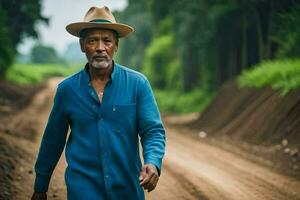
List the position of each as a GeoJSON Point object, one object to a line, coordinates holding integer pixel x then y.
{"type": "Point", "coordinates": [37, 73]}
{"type": "Point", "coordinates": [178, 102]}
{"type": "Point", "coordinates": [282, 75]}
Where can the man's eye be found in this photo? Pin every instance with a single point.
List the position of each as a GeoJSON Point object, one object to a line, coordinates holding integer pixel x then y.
{"type": "Point", "coordinates": [91, 40]}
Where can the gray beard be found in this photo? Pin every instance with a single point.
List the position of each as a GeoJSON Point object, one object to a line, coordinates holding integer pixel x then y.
{"type": "Point", "coordinates": [103, 64]}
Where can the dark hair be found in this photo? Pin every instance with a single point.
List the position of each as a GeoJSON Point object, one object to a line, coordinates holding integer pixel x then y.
{"type": "Point", "coordinates": [84, 32]}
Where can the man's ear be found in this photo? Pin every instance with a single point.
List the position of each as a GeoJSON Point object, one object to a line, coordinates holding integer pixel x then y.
{"type": "Point", "coordinates": [81, 42]}
{"type": "Point", "coordinates": [117, 45]}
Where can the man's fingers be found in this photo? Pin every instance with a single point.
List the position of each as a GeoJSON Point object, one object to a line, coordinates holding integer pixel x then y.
{"type": "Point", "coordinates": [145, 180]}
{"type": "Point", "coordinates": [150, 177]}
{"type": "Point", "coordinates": [39, 196]}
{"type": "Point", "coordinates": [152, 183]}
{"type": "Point", "coordinates": [143, 173]}
{"type": "Point", "coordinates": [146, 175]}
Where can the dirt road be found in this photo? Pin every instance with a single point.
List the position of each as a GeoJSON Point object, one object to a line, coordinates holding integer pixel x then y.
{"type": "Point", "coordinates": [200, 171]}
{"type": "Point", "coordinates": [192, 169]}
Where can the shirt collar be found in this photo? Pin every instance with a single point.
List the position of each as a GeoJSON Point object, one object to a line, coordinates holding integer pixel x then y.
{"type": "Point", "coordinates": [113, 75]}
{"type": "Point", "coordinates": [115, 71]}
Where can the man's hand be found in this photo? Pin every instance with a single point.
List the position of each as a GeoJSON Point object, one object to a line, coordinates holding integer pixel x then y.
{"type": "Point", "coordinates": [149, 177]}
{"type": "Point", "coordinates": [39, 196]}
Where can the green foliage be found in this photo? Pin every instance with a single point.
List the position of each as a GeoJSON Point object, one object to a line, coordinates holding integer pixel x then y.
{"type": "Point", "coordinates": [34, 73]}
{"type": "Point", "coordinates": [131, 50]}
{"type": "Point", "coordinates": [17, 20]}
{"type": "Point", "coordinates": [42, 54]}
{"type": "Point", "coordinates": [196, 44]}
{"type": "Point", "coordinates": [6, 49]}
{"type": "Point", "coordinates": [214, 40]}
{"type": "Point", "coordinates": [21, 18]}
{"type": "Point", "coordinates": [173, 75]}
{"type": "Point", "coordinates": [159, 61]}
{"type": "Point", "coordinates": [178, 102]}
{"type": "Point", "coordinates": [279, 74]}
{"type": "Point", "coordinates": [164, 27]}
{"type": "Point", "coordinates": [287, 34]}
{"type": "Point", "coordinates": [160, 9]}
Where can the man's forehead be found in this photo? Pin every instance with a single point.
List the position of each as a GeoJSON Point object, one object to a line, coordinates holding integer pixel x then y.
{"type": "Point", "coordinates": [99, 31]}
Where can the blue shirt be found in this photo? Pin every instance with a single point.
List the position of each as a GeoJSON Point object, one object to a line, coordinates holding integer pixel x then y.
{"type": "Point", "coordinates": [102, 150]}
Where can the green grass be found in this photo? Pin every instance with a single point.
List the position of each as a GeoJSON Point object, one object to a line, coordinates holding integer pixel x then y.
{"type": "Point", "coordinates": [177, 102]}
{"type": "Point", "coordinates": [282, 75]}
{"type": "Point", "coordinates": [37, 73]}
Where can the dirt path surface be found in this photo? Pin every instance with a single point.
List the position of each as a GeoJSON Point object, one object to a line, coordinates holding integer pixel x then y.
{"type": "Point", "coordinates": [192, 168]}
{"type": "Point", "coordinates": [207, 172]}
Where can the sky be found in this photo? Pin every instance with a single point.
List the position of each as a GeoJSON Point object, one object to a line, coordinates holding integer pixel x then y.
{"type": "Point", "coordinates": [62, 13]}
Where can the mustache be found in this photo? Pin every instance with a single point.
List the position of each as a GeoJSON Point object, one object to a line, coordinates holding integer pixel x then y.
{"type": "Point", "coordinates": [100, 56]}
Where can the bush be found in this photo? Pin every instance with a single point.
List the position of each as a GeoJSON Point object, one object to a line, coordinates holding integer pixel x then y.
{"type": "Point", "coordinates": [178, 102]}
{"type": "Point", "coordinates": [37, 73]}
{"type": "Point", "coordinates": [162, 66]}
{"type": "Point", "coordinates": [283, 75]}
{"type": "Point", "coordinates": [42, 54]}
{"type": "Point", "coordinates": [157, 56]}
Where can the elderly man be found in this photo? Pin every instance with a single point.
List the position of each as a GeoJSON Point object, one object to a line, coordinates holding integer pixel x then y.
{"type": "Point", "coordinates": [107, 107]}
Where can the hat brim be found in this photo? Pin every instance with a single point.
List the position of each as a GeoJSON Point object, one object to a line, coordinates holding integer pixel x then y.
{"type": "Point", "coordinates": [122, 29]}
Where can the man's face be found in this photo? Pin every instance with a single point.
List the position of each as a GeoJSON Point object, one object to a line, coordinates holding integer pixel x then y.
{"type": "Point", "coordinates": [99, 46]}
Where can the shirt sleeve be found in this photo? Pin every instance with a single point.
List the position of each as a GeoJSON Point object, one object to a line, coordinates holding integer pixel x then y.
{"type": "Point", "coordinates": [52, 144]}
{"type": "Point", "coordinates": [150, 126]}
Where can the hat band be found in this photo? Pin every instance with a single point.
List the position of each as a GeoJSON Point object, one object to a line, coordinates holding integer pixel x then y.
{"type": "Point", "coordinates": [100, 20]}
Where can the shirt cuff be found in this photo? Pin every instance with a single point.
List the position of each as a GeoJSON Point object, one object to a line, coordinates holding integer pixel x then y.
{"type": "Point", "coordinates": [155, 161]}
{"type": "Point", "coordinates": [41, 183]}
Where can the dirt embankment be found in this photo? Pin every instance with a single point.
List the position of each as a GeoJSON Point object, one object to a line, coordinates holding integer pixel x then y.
{"type": "Point", "coordinates": [23, 111]}
{"type": "Point", "coordinates": [14, 98]}
{"type": "Point", "coordinates": [260, 121]}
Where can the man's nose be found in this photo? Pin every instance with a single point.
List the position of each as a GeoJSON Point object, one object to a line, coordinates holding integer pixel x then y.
{"type": "Point", "coordinates": [100, 46]}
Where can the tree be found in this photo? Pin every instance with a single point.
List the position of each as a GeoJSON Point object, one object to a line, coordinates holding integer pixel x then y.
{"type": "Point", "coordinates": [6, 49]}
{"type": "Point", "coordinates": [213, 40]}
{"type": "Point", "coordinates": [287, 33]}
{"type": "Point", "coordinates": [17, 20]}
{"type": "Point", "coordinates": [131, 51]}
{"type": "Point", "coordinates": [44, 54]}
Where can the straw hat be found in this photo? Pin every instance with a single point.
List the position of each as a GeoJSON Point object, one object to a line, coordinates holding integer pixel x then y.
{"type": "Point", "coordinates": [99, 18]}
